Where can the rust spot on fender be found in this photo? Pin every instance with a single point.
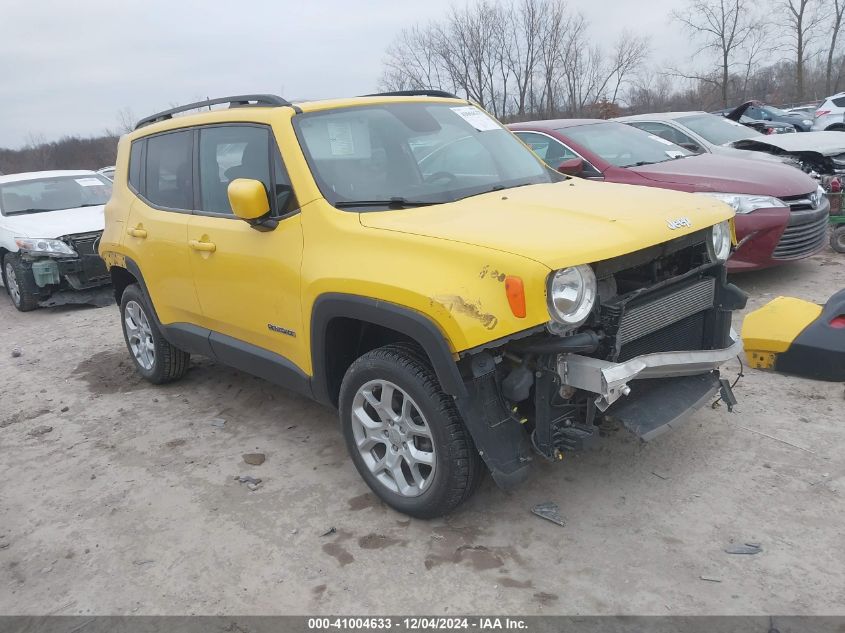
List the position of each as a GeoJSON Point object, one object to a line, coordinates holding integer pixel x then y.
{"type": "Point", "coordinates": [457, 304]}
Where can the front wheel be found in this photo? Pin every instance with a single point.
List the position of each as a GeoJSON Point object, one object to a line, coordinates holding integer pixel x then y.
{"type": "Point", "coordinates": [20, 284]}
{"type": "Point", "coordinates": [155, 359]}
{"type": "Point", "coordinates": [837, 239]}
{"type": "Point", "coordinates": [405, 435]}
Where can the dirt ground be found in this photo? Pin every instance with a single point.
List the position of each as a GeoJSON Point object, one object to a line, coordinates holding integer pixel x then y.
{"type": "Point", "coordinates": [129, 504]}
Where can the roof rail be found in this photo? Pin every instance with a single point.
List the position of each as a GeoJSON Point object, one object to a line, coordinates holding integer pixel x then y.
{"type": "Point", "coordinates": [239, 101]}
{"type": "Point", "coordinates": [415, 93]}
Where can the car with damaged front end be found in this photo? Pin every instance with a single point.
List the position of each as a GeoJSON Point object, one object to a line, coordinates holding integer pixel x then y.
{"type": "Point", "coordinates": [50, 223]}
{"type": "Point", "coordinates": [407, 261]}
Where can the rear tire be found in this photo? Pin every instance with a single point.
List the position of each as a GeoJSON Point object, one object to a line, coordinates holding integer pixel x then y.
{"type": "Point", "coordinates": [837, 239]}
{"type": "Point", "coordinates": [20, 284]}
{"type": "Point", "coordinates": [155, 359]}
{"type": "Point", "coordinates": [405, 435]}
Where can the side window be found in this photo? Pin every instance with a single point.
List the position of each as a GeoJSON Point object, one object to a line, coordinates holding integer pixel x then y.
{"type": "Point", "coordinates": [839, 103]}
{"type": "Point", "coordinates": [135, 156]}
{"type": "Point", "coordinates": [229, 152]}
{"type": "Point", "coordinates": [169, 170]}
{"type": "Point", "coordinates": [551, 151]}
{"type": "Point", "coordinates": [664, 131]}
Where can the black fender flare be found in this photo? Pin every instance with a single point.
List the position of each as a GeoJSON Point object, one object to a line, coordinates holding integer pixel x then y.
{"type": "Point", "coordinates": [409, 322]}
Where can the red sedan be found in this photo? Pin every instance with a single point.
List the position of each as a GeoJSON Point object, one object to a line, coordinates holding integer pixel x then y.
{"type": "Point", "coordinates": [781, 213]}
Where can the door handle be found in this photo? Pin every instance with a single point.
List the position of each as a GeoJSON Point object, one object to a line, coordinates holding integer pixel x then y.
{"type": "Point", "coordinates": [205, 247]}
{"type": "Point", "coordinates": [137, 232]}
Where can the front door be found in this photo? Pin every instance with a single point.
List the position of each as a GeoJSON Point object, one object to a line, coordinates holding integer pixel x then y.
{"type": "Point", "coordinates": [247, 280]}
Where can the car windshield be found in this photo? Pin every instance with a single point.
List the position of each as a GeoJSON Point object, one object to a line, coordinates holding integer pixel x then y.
{"type": "Point", "coordinates": [717, 130]}
{"type": "Point", "coordinates": [53, 193]}
{"type": "Point", "coordinates": [623, 145]}
{"type": "Point", "coordinates": [410, 154]}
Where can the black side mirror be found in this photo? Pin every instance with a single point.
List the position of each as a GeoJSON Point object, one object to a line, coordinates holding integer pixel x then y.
{"type": "Point", "coordinates": [571, 167]}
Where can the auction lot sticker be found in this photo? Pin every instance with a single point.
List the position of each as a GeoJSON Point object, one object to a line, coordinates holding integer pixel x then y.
{"type": "Point", "coordinates": [476, 118]}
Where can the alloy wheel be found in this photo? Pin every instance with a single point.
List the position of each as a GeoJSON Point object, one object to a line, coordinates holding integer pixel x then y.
{"type": "Point", "coordinates": [393, 438]}
{"type": "Point", "coordinates": [139, 334]}
{"type": "Point", "coordinates": [12, 284]}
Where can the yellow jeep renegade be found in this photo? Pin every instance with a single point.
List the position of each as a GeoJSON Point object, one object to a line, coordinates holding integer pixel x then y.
{"type": "Point", "coordinates": [405, 259]}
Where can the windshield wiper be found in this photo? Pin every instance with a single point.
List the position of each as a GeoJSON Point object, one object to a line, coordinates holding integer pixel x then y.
{"type": "Point", "coordinates": [23, 211]}
{"type": "Point", "coordinates": [496, 188]}
{"type": "Point", "coordinates": [396, 202]}
{"type": "Point", "coordinates": [641, 163]}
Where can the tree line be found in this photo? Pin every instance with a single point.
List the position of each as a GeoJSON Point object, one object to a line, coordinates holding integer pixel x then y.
{"type": "Point", "coordinates": [70, 152]}
{"type": "Point", "coordinates": [539, 58]}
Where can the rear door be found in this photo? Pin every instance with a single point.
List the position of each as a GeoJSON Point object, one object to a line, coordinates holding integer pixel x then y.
{"type": "Point", "coordinates": [247, 279]}
{"type": "Point", "coordinates": [157, 228]}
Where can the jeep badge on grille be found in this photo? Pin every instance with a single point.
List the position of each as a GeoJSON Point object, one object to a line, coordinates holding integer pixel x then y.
{"type": "Point", "coordinates": [678, 223]}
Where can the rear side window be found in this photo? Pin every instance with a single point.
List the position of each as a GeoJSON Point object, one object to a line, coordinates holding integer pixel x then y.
{"type": "Point", "coordinates": [229, 152]}
{"type": "Point", "coordinates": [135, 155]}
{"type": "Point", "coordinates": [169, 170]}
{"type": "Point", "coordinates": [839, 103]}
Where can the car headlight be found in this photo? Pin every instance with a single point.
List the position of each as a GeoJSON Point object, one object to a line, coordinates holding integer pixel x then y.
{"type": "Point", "coordinates": [571, 296]}
{"type": "Point", "coordinates": [43, 246]}
{"type": "Point", "coordinates": [742, 203]}
{"type": "Point", "coordinates": [719, 242]}
{"type": "Point", "coordinates": [807, 122]}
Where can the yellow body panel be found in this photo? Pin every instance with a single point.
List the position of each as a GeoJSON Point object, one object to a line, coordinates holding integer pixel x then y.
{"type": "Point", "coordinates": [771, 329]}
{"type": "Point", "coordinates": [446, 261]}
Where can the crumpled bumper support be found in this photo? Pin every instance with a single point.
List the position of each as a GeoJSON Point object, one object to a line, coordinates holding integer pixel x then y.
{"type": "Point", "coordinates": [609, 380]}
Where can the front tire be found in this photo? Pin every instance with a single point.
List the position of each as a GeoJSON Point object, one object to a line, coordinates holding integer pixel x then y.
{"type": "Point", "coordinates": [837, 239]}
{"type": "Point", "coordinates": [155, 359]}
{"type": "Point", "coordinates": [405, 435]}
{"type": "Point", "coordinates": [20, 284]}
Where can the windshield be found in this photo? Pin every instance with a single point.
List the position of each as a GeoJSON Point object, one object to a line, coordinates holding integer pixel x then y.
{"type": "Point", "coordinates": [52, 194]}
{"type": "Point", "coordinates": [717, 130]}
{"type": "Point", "coordinates": [406, 153]}
{"type": "Point", "coordinates": [623, 145]}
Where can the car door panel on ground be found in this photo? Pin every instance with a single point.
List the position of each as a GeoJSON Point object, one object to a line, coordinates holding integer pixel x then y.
{"type": "Point", "coordinates": [235, 265]}
{"type": "Point", "coordinates": [157, 230]}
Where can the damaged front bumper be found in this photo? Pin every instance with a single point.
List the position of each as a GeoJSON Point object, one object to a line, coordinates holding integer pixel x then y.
{"type": "Point", "coordinates": [609, 380]}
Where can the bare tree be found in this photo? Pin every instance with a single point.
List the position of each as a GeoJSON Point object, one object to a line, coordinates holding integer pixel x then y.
{"type": "Point", "coordinates": [803, 18]}
{"type": "Point", "coordinates": [837, 10]}
{"type": "Point", "coordinates": [723, 27]}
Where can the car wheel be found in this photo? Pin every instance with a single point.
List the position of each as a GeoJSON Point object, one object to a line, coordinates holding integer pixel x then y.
{"type": "Point", "coordinates": [405, 435]}
{"type": "Point", "coordinates": [155, 359]}
{"type": "Point", "coordinates": [837, 239]}
{"type": "Point", "coordinates": [20, 284]}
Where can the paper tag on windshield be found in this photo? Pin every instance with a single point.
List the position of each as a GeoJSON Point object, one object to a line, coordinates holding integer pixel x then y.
{"type": "Point", "coordinates": [90, 182]}
{"type": "Point", "coordinates": [340, 139]}
{"type": "Point", "coordinates": [660, 140]}
{"type": "Point", "coordinates": [476, 118]}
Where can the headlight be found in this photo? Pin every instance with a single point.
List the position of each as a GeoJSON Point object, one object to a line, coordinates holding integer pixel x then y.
{"type": "Point", "coordinates": [571, 296]}
{"type": "Point", "coordinates": [742, 203]}
{"type": "Point", "coordinates": [719, 242]}
{"type": "Point", "coordinates": [807, 122]}
{"type": "Point", "coordinates": [44, 246]}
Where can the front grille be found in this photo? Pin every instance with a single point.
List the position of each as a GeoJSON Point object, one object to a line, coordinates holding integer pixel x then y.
{"type": "Point", "coordinates": [656, 314]}
{"type": "Point", "coordinates": [85, 245]}
{"type": "Point", "coordinates": [801, 203]}
{"type": "Point", "coordinates": [686, 334]}
{"type": "Point", "coordinates": [93, 268]}
{"type": "Point", "coordinates": [800, 240]}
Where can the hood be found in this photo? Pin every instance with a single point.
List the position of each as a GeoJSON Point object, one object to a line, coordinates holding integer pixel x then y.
{"type": "Point", "coordinates": [824, 143]}
{"type": "Point", "coordinates": [562, 224]}
{"type": "Point", "coordinates": [725, 174]}
{"type": "Point", "coordinates": [53, 224]}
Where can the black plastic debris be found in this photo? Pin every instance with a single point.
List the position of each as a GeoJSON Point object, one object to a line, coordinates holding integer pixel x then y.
{"type": "Point", "coordinates": [549, 511]}
{"type": "Point", "coordinates": [746, 548]}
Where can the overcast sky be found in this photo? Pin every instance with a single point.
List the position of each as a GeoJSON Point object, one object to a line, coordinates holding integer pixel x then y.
{"type": "Point", "coordinates": [71, 67]}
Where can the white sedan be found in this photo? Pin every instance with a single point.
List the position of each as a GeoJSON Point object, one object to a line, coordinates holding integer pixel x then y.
{"type": "Point", "coordinates": [50, 222]}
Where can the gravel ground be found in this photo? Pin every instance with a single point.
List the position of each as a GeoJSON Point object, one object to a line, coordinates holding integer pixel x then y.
{"type": "Point", "coordinates": [129, 505]}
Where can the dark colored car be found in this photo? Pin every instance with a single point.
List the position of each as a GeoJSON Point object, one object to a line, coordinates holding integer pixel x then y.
{"type": "Point", "coordinates": [759, 111]}
{"type": "Point", "coordinates": [781, 213]}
